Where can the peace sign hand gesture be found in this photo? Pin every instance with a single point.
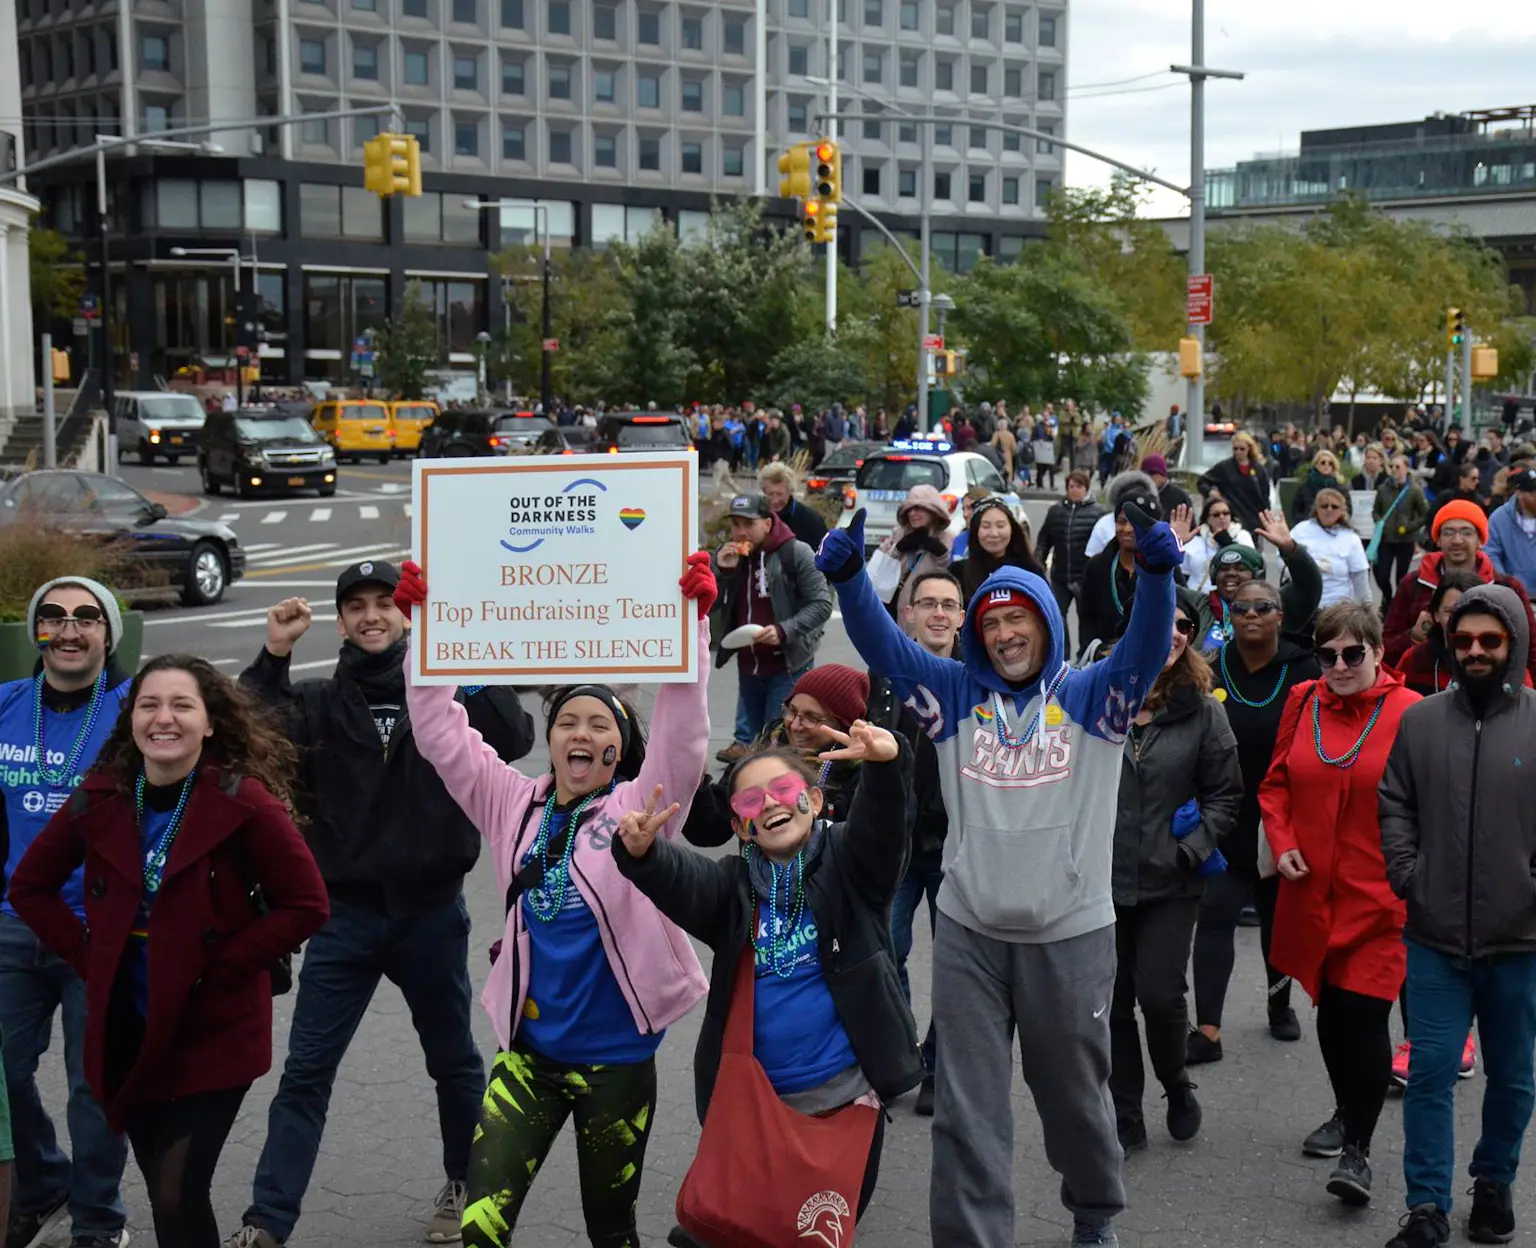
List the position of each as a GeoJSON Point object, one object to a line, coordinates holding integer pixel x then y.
{"type": "Point", "coordinates": [638, 828]}
{"type": "Point", "coordinates": [863, 742]}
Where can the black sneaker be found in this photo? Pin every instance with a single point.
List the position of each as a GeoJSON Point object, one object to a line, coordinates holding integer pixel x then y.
{"type": "Point", "coordinates": [924, 1106]}
{"type": "Point", "coordinates": [1492, 1220]}
{"type": "Point", "coordinates": [1423, 1226]}
{"type": "Point", "coordinates": [1133, 1135]}
{"type": "Point", "coordinates": [1200, 1048]}
{"type": "Point", "coordinates": [1184, 1116]}
{"type": "Point", "coordinates": [1351, 1178]}
{"type": "Point", "coordinates": [23, 1228]}
{"type": "Point", "coordinates": [1284, 1025]}
{"type": "Point", "coordinates": [1248, 916]}
{"type": "Point", "coordinates": [1327, 1140]}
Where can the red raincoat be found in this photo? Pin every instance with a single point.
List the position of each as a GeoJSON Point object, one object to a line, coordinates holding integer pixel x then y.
{"type": "Point", "coordinates": [1340, 924]}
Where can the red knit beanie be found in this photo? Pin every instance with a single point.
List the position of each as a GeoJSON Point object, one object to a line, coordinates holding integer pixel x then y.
{"type": "Point", "coordinates": [1462, 509]}
{"type": "Point", "coordinates": [842, 692]}
{"type": "Point", "coordinates": [1006, 597]}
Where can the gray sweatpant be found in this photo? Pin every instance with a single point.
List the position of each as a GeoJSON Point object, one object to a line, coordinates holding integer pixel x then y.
{"type": "Point", "coordinates": [1057, 997]}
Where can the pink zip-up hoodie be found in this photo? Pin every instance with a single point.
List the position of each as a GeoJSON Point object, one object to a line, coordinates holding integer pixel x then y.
{"type": "Point", "coordinates": [657, 970]}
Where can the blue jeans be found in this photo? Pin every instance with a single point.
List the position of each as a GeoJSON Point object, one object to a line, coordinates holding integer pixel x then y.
{"type": "Point", "coordinates": [1447, 994]}
{"type": "Point", "coordinates": [924, 875]}
{"type": "Point", "coordinates": [33, 985]}
{"type": "Point", "coordinates": [758, 699]}
{"type": "Point", "coordinates": [427, 958]}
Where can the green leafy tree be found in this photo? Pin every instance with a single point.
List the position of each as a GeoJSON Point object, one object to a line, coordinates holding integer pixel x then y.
{"type": "Point", "coordinates": [588, 306]}
{"type": "Point", "coordinates": [406, 348]}
{"type": "Point", "coordinates": [819, 371]}
{"type": "Point", "coordinates": [57, 273]}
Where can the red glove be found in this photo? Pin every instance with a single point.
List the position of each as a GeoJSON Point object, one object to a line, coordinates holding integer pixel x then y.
{"type": "Point", "coordinates": [412, 589]}
{"type": "Point", "coordinates": [698, 582]}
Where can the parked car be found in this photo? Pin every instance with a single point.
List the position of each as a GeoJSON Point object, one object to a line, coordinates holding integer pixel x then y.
{"type": "Point", "coordinates": [467, 431]}
{"type": "Point", "coordinates": [566, 440]}
{"type": "Point", "coordinates": [355, 428]}
{"type": "Point", "coordinates": [256, 451]}
{"type": "Point", "coordinates": [881, 483]}
{"type": "Point", "coordinates": [201, 558]}
{"type": "Point", "coordinates": [408, 420]}
{"type": "Point", "coordinates": [835, 474]}
{"type": "Point", "coordinates": [641, 431]}
{"type": "Point", "coordinates": [153, 423]}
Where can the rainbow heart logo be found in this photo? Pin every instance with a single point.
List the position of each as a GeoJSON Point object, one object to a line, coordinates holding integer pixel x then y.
{"type": "Point", "coordinates": [632, 517]}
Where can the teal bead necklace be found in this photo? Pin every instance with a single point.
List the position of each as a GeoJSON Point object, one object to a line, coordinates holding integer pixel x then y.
{"type": "Point", "coordinates": [1351, 755]}
{"type": "Point", "coordinates": [781, 960]}
{"type": "Point", "coordinates": [154, 861]}
{"type": "Point", "coordinates": [1231, 685]}
{"type": "Point", "coordinates": [548, 899]}
{"type": "Point", "coordinates": [58, 778]}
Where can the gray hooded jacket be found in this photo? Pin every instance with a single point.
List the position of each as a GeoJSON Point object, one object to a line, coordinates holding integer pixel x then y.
{"type": "Point", "coordinates": [1458, 828]}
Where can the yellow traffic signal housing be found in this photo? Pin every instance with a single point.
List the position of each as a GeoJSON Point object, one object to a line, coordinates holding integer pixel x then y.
{"type": "Point", "coordinates": [392, 165]}
{"type": "Point", "coordinates": [59, 363]}
{"type": "Point", "coordinates": [810, 217]}
{"type": "Point", "coordinates": [1455, 328]}
{"type": "Point", "coordinates": [829, 171]}
{"type": "Point", "coordinates": [1190, 363]}
{"type": "Point", "coordinates": [826, 222]}
{"type": "Point", "coordinates": [1485, 363]}
{"type": "Point", "coordinates": [795, 172]}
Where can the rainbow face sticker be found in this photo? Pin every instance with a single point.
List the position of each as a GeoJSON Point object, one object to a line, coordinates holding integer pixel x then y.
{"type": "Point", "coordinates": [632, 517]}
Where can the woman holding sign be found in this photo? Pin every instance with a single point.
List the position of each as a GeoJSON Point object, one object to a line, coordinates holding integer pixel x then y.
{"type": "Point", "coordinates": [589, 974]}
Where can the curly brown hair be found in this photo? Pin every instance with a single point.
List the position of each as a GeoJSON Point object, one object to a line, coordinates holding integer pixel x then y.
{"type": "Point", "coordinates": [246, 738]}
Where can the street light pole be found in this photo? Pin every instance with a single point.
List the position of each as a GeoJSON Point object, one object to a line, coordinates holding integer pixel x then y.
{"type": "Point", "coordinates": [925, 284]}
{"type": "Point", "coordinates": [832, 134]}
{"type": "Point", "coordinates": [232, 254]}
{"type": "Point", "coordinates": [108, 356]}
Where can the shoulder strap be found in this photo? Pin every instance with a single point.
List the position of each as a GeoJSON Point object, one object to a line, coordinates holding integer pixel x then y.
{"type": "Point", "coordinates": [738, 1022]}
{"type": "Point", "coordinates": [532, 876]}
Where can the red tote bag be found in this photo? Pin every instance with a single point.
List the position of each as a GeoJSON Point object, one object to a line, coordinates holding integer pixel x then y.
{"type": "Point", "coordinates": [765, 1175]}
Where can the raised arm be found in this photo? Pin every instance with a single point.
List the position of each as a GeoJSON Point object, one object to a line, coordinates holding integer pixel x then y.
{"type": "Point", "coordinates": [497, 714]}
{"type": "Point", "coordinates": [877, 835]}
{"type": "Point", "coordinates": [694, 891]}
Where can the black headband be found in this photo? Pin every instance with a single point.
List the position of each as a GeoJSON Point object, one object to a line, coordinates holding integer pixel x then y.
{"type": "Point", "coordinates": [604, 695]}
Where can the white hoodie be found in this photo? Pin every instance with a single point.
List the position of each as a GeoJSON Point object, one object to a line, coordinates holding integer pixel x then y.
{"type": "Point", "coordinates": [1201, 549]}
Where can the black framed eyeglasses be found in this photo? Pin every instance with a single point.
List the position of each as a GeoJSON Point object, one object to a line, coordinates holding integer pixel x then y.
{"type": "Point", "coordinates": [1329, 657]}
{"type": "Point", "coordinates": [1184, 628]}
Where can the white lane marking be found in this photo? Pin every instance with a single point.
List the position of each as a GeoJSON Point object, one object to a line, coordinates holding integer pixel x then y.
{"type": "Point", "coordinates": [320, 514]}
{"type": "Point", "coordinates": [229, 516]}
{"type": "Point", "coordinates": [266, 584]}
{"type": "Point", "coordinates": [391, 487]}
{"type": "Point", "coordinates": [307, 667]}
{"type": "Point", "coordinates": [286, 554]}
{"type": "Point", "coordinates": [274, 517]}
{"type": "Point", "coordinates": [201, 617]}
{"type": "Point", "coordinates": [258, 546]}
{"type": "Point", "coordinates": [257, 622]}
{"type": "Point", "coordinates": [367, 512]}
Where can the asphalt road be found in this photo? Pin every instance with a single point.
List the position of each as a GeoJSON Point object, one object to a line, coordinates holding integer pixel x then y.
{"type": "Point", "coordinates": [1242, 1182]}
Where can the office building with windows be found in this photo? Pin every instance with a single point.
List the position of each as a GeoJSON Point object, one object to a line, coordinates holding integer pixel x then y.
{"type": "Point", "coordinates": [611, 114]}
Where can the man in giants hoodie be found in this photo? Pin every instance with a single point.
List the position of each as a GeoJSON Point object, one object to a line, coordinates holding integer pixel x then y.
{"type": "Point", "coordinates": [1030, 755]}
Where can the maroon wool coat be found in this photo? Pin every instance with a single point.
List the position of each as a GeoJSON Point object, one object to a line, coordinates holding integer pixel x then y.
{"type": "Point", "coordinates": [209, 1020]}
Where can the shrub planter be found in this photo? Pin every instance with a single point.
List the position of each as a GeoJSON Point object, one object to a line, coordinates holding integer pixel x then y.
{"type": "Point", "coordinates": [18, 652]}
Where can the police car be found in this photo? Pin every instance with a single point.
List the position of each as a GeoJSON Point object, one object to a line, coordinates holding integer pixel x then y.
{"type": "Point", "coordinates": [885, 476]}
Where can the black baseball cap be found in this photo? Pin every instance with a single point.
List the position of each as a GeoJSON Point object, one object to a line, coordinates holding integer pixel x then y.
{"type": "Point", "coordinates": [369, 572]}
{"type": "Point", "coordinates": [752, 506]}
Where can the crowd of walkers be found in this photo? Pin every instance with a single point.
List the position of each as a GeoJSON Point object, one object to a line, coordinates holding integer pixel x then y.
{"type": "Point", "coordinates": [1085, 826]}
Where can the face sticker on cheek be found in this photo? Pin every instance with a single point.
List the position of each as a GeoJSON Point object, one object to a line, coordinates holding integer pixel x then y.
{"type": "Point", "coordinates": [803, 802]}
{"type": "Point", "coordinates": [610, 756]}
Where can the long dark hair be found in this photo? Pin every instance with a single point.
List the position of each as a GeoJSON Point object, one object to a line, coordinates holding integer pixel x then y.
{"type": "Point", "coordinates": [246, 740]}
{"type": "Point", "coordinates": [978, 564]}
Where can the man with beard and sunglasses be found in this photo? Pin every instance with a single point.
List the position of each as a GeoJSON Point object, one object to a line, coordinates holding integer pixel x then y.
{"type": "Point", "coordinates": [1458, 832]}
{"type": "Point", "coordinates": [393, 849]}
{"type": "Point", "coordinates": [55, 724]}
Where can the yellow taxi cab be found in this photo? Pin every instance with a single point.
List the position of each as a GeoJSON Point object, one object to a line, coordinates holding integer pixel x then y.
{"type": "Point", "coordinates": [355, 428]}
{"type": "Point", "coordinates": [408, 420]}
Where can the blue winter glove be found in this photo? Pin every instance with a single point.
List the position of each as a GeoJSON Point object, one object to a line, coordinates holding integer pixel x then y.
{"type": "Point", "coordinates": [1186, 819]}
{"type": "Point", "coordinates": [841, 554]}
{"type": "Point", "coordinates": [1214, 865]}
{"type": "Point", "coordinates": [1157, 549]}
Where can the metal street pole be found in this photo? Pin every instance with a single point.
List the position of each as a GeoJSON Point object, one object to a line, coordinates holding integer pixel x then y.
{"type": "Point", "coordinates": [544, 390]}
{"type": "Point", "coordinates": [832, 111]}
{"type": "Point", "coordinates": [1466, 379]}
{"type": "Point", "coordinates": [50, 445]}
{"type": "Point", "coordinates": [239, 363]}
{"type": "Point", "coordinates": [107, 356]}
{"type": "Point", "coordinates": [1450, 389]}
{"type": "Point", "coordinates": [546, 315]}
{"type": "Point", "coordinates": [925, 285]}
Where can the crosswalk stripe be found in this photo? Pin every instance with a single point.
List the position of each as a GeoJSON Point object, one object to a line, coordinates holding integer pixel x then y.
{"type": "Point", "coordinates": [201, 617]}
{"type": "Point", "coordinates": [283, 554]}
{"type": "Point", "coordinates": [274, 517]}
{"type": "Point", "coordinates": [260, 546]}
{"type": "Point", "coordinates": [367, 512]}
{"type": "Point", "coordinates": [320, 514]}
{"type": "Point", "coordinates": [229, 517]}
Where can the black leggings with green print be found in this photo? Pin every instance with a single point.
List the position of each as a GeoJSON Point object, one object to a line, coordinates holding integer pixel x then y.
{"type": "Point", "coordinates": [526, 1104]}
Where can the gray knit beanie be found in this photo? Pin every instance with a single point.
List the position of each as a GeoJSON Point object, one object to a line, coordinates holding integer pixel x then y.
{"type": "Point", "coordinates": [104, 596]}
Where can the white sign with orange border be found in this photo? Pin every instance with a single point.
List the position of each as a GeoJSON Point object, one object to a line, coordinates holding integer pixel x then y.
{"type": "Point", "coordinates": [555, 570]}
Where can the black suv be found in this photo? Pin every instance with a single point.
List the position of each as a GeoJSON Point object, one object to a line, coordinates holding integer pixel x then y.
{"type": "Point", "coordinates": [618, 432]}
{"type": "Point", "coordinates": [464, 431]}
{"type": "Point", "coordinates": [257, 451]}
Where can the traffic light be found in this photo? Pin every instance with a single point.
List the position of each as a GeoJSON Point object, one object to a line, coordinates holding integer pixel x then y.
{"type": "Point", "coordinates": [810, 218]}
{"type": "Point", "coordinates": [829, 171]}
{"type": "Point", "coordinates": [1455, 328]}
{"type": "Point", "coordinates": [795, 172]}
{"type": "Point", "coordinates": [826, 222]}
{"type": "Point", "coordinates": [392, 165]}
{"type": "Point", "coordinates": [1485, 363]}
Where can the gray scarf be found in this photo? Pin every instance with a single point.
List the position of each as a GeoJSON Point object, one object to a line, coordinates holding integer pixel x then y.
{"type": "Point", "coordinates": [762, 871]}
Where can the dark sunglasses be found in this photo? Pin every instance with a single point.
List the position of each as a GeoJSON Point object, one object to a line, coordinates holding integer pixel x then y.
{"type": "Point", "coordinates": [1253, 608]}
{"type": "Point", "coordinates": [1184, 628]}
{"type": "Point", "coordinates": [1353, 656]}
{"type": "Point", "coordinates": [1488, 642]}
{"type": "Point", "coordinates": [85, 617]}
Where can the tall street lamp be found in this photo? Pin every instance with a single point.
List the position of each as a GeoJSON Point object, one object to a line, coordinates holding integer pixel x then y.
{"type": "Point", "coordinates": [232, 254]}
{"type": "Point", "coordinates": [481, 205]}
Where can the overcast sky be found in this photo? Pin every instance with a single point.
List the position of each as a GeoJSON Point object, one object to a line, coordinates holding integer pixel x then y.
{"type": "Point", "coordinates": [1310, 64]}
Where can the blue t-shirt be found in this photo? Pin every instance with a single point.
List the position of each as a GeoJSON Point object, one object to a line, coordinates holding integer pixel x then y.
{"type": "Point", "coordinates": [797, 1035]}
{"type": "Point", "coordinates": [575, 1011]}
{"type": "Point", "coordinates": [30, 800]}
{"type": "Point", "coordinates": [135, 962]}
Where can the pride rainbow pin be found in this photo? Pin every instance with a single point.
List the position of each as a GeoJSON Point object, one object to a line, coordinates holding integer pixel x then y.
{"type": "Point", "coordinates": [632, 517]}
{"type": "Point", "coordinates": [983, 715]}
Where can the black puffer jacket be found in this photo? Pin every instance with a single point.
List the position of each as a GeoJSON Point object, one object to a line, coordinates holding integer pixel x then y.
{"type": "Point", "coordinates": [1064, 537]}
{"type": "Point", "coordinates": [849, 883]}
{"type": "Point", "coordinates": [1458, 828]}
{"type": "Point", "coordinates": [1186, 752]}
{"type": "Point", "coordinates": [383, 830]}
